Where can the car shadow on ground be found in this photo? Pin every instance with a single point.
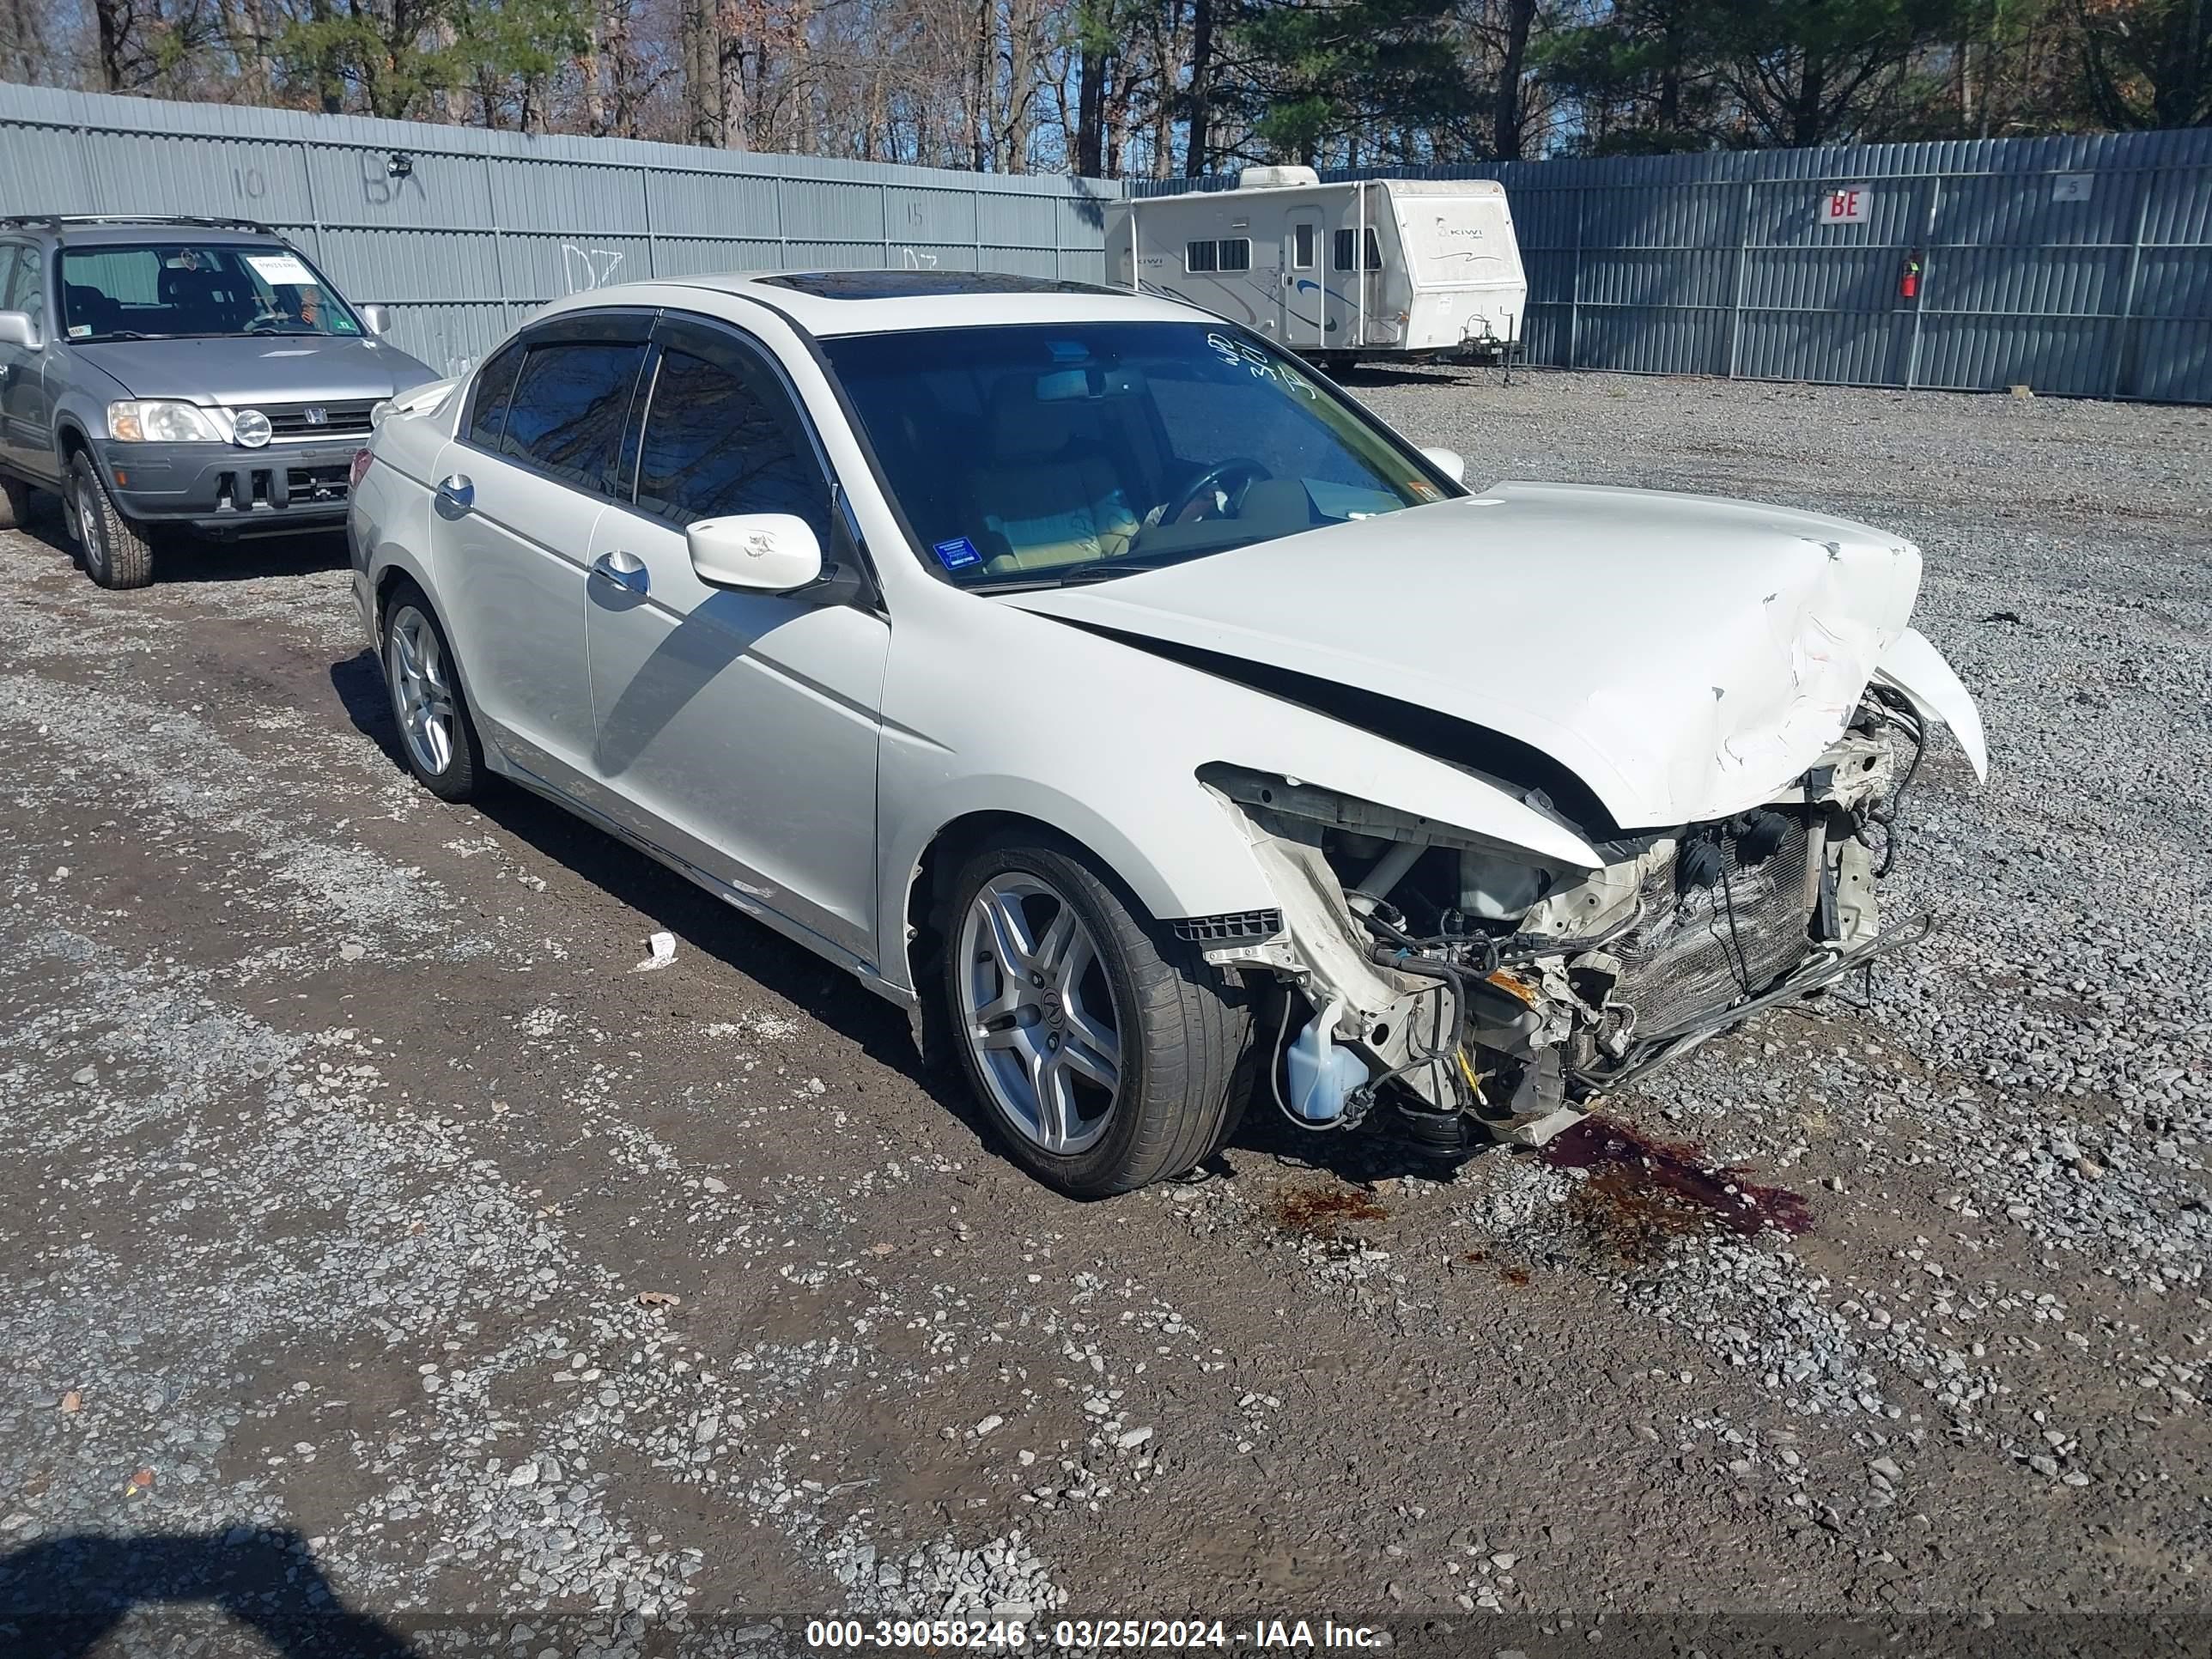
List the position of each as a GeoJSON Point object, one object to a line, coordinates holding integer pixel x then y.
{"type": "Point", "coordinates": [62, 1598]}
{"type": "Point", "coordinates": [878, 1029]}
{"type": "Point", "coordinates": [185, 556]}
{"type": "Point", "coordinates": [626, 874]}
{"type": "Point", "coordinates": [1377, 376]}
{"type": "Point", "coordinates": [189, 558]}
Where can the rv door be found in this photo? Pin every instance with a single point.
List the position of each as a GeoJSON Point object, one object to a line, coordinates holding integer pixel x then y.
{"type": "Point", "coordinates": [1305, 300]}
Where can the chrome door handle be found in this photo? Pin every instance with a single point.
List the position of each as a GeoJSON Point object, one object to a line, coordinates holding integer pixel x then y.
{"type": "Point", "coordinates": [456, 496]}
{"type": "Point", "coordinates": [624, 569]}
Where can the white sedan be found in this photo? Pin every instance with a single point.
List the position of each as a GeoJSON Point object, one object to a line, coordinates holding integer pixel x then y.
{"type": "Point", "coordinates": [1095, 681]}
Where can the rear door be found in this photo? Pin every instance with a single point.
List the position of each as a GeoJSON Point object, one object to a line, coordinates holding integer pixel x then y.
{"type": "Point", "coordinates": [736, 730]}
{"type": "Point", "coordinates": [519, 492]}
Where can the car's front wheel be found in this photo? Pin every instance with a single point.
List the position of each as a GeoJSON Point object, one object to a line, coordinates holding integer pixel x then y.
{"type": "Point", "coordinates": [437, 737]}
{"type": "Point", "coordinates": [117, 552]}
{"type": "Point", "coordinates": [1108, 1054]}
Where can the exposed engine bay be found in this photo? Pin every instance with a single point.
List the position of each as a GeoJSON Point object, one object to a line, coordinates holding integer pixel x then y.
{"type": "Point", "coordinates": [1466, 992]}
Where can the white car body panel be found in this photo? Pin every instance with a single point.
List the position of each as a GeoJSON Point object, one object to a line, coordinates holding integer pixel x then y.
{"type": "Point", "coordinates": [511, 572]}
{"type": "Point", "coordinates": [1918, 670]}
{"type": "Point", "coordinates": [1683, 655]}
{"type": "Point", "coordinates": [739, 730]}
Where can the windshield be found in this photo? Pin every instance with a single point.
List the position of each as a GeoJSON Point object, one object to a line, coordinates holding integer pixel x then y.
{"type": "Point", "coordinates": [1048, 453]}
{"type": "Point", "coordinates": [167, 291]}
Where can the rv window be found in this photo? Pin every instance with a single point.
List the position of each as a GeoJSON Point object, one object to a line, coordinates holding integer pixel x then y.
{"type": "Point", "coordinates": [1236, 253]}
{"type": "Point", "coordinates": [1198, 256]}
{"type": "Point", "coordinates": [1302, 247]}
{"type": "Point", "coordinates": [1342, 251]}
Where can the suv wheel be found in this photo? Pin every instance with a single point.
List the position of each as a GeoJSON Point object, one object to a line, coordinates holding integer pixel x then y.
{"type": "Point", "coordinates": [436, 736]}
{"type": "Point", "coordinates": [1105, 1050]}
{"type": "Point", "coordinates": [116, 551]}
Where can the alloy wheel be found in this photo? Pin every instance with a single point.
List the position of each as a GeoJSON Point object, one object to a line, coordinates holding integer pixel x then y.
{"type": "Point", "coordinates": [1038, 1012]}
{"type": "Point", "coordinates": [422, 688]}
{"type": "Point", "coordinates": [86, 527]}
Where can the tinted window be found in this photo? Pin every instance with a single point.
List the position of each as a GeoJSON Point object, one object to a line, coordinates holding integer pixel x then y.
{"type": "Point", "coordinates": [19, 287]}
{"type": "Point", "coordinates": [719, 441]}
{"type": "Point", "coordinates": [487, 419]}
{"type": "Point", "coordinates": [1236, 253]}
{"type": "Point", "coordinates": [568, 407]}
{"type": "Point", "coordinates": [1342, 251]}
{"type": "Point", "coordinates": [1198, 256]}
{"type": "Point", "coordinates": [1301, 250]}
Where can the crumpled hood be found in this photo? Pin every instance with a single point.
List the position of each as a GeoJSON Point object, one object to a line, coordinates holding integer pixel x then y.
{"type": "Point", "coordinates": [248, 369]}
{"type": "Point", "coordinates": [1685, 656]}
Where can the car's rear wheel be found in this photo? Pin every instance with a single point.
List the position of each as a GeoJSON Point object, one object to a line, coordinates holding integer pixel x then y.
{"type": "Point", "coordinates": [1105, 1051]}
{"type": "Point", "coordinates": [117, 553]}
{"type": "Point", "coordinates": [437, 737]}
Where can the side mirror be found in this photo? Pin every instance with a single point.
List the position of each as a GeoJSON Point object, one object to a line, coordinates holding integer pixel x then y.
{"type": "Point", "coordinates": [16, 329]}
{"type": "Point", "coordinates": [761, 552]}
{"type": "Point", "coordinates": [1450, 462]}
{"type": "Point", "coordinates": [377, 320]}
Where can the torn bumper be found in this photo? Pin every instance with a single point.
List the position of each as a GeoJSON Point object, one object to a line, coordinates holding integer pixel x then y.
{"type": "Point", "coordinates": [1498, 988]}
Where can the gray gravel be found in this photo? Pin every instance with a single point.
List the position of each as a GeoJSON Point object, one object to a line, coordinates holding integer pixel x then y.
{"type": "Point", "coordinates": [375, 1231]}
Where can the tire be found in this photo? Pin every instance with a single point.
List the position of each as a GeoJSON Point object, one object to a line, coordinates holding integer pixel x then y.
{"type": "Point", "coordinates": [1180, 1041]}
{"type": "Point", "coordinates": [117, 553]}
{"type": "Point", "coordinates": [15, 503]}
{"type": "Point", "coordinates": [437, 736]}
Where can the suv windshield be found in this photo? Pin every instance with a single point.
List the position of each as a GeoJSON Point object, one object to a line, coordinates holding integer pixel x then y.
{"type": "Point", "coordinates": [165, 290]}
{"type": "Point", "coordinates": [1050, 454]}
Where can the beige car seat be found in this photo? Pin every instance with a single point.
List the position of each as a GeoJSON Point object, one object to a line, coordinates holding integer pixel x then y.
{"type": "Point", "coordinates": [1051, 497]}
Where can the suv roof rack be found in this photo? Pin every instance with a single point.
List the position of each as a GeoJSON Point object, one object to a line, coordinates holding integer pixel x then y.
{"type": "Point", "coordinates": [58, 221]}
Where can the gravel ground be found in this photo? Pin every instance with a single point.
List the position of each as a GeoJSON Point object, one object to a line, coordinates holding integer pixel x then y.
{"type": "Point", "coordinates": [386, 1261]}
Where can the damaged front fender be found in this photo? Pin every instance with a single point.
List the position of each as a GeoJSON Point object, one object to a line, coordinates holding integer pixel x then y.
{"type": "Point", "coordinates": [1917, 671]}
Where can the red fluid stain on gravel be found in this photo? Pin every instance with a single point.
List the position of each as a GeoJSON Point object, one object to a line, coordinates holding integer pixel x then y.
{"type": "Point", "coordinates": [1322, 1211]}
{"type": "Point", "coordinates": [1642, 1192]}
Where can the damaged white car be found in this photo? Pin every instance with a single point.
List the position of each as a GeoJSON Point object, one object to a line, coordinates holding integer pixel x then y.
{"type": "Point", "coordinates": [1091, 678]}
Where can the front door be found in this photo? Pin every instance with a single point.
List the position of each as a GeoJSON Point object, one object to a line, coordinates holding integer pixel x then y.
{"type": "Point", "coordinates": [1305, 300]}
{"type": "Point", "coordinates": [736, 730]}
{"type": "Point", "coordinates": [519, 492]}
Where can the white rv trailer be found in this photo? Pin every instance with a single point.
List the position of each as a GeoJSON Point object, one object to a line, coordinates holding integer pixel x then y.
{"type": "Point", "coordinates": [1375, 268]}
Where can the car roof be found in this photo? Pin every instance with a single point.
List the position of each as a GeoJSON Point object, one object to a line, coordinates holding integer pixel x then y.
{"type": "Point", "coordinates": [829, 303]}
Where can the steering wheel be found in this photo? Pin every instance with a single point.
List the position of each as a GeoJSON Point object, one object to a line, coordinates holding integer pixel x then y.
{"type": "Point", "coordinates": [1232, 478]}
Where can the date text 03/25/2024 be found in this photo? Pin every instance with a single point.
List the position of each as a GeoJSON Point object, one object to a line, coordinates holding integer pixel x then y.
{"type": "Point", "coordinates": [1094, 1635]}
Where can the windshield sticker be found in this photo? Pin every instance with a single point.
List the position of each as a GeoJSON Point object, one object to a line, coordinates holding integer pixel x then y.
{"type": "Point", "coordinates": [78, 330]}
{"type": "Point", "coordinates": [958, 553]}
{"type": "Point", "coordinates": [1425, 490]}
{"type": "Point", "coordinates": [281, 269]}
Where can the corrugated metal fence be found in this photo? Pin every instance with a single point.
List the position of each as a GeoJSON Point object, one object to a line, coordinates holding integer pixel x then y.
{"type": "Point", "coordinates": [2075, 265]}
{"type": "Point", "coordinates": [474, 228]}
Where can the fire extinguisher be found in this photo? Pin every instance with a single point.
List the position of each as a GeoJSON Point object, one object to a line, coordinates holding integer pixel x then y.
{"type": "Point", "coordinates": [1908, 285]}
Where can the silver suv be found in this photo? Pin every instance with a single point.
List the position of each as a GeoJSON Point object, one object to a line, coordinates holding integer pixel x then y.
{"type": "Point", "coordinates": [187, 372]}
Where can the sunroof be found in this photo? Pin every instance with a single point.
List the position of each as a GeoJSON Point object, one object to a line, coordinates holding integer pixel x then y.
{"type": "Point", "coordinates": [920, 284]}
